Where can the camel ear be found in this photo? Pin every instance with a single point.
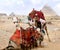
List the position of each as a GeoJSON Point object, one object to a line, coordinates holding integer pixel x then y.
{"type": "Point", "coordinates": [33, 9]}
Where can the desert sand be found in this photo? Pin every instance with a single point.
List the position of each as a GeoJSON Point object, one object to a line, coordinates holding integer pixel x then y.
{"type": "Point", "coordinates": [7, 29]}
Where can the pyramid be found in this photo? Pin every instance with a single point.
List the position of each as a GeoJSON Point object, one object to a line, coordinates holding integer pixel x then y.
{"type": "Point", "coordinates": [49, 12]}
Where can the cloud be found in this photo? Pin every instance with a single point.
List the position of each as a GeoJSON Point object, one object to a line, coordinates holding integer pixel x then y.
{"type": "Point", "coordinates": [57, 8]}
{"type": "Point", "coordinates": [24, 6]}
{"type": "Point", "coordinates": [20, 2]}
{"type": "Point", "coordinates": [9, 6]}
{"type": "Point", "coordinates": [56, 0]}
{"type": "Point", "coordinates": [11, 2]}
{"type": "Point", "coordinates": [34, 2]}
{"type": "Point", "coordinates": [58, 5]}
{"type": "Point", "coordinates": [6, 2]}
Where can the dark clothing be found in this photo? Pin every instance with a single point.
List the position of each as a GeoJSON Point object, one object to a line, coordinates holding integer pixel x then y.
{"type": "Point", "coordinates": [29, 18]}
{"type": "Point", "coordinates": [38, 24]}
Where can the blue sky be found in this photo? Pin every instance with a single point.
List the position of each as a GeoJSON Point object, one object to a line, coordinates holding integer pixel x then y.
{"type": "Point", "coordinates": [25, 6]}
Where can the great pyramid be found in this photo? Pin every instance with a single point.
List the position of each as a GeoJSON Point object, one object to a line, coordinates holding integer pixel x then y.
{"type": "Point", "coordinates": [49, 13]}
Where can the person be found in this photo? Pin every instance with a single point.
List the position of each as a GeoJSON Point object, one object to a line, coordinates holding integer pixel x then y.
{"type": "Point", "coordinates": [41, 24]}
{"type": "Point", "coordinates": [40, 21]}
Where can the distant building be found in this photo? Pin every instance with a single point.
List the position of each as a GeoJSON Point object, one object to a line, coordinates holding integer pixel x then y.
{"type": "Point", "coordinates": [3, 14]}
{"type": "Point", "coordinates": [12, 14]}
{"type": "Point", "coordinates": [49, 13]}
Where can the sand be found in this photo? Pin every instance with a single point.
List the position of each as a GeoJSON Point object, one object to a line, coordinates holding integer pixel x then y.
{"type": "Point", "coordinates": [7, 29]}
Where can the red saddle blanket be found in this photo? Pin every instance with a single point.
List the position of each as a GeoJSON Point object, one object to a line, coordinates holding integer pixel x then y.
{"type": "Point", "coordinates": [16, 37]}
